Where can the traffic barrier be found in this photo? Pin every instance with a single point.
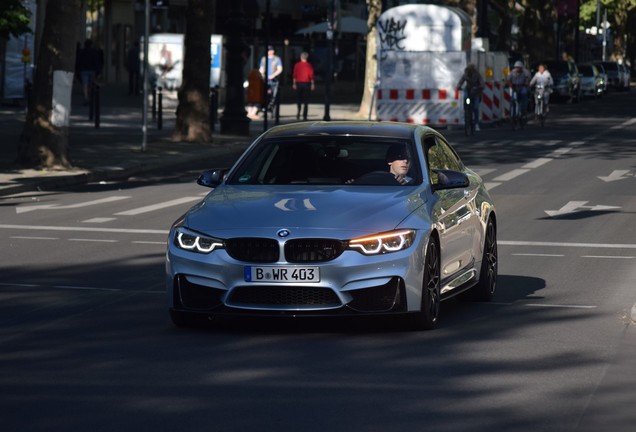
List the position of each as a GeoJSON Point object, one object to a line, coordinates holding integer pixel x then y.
{"type": "Point", "coordinates": [433, 107]}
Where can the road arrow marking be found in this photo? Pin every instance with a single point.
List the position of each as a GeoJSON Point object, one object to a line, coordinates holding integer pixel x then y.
{"type": "Point", "coordinates": [574, 206]}
{"type": "Point", "coordinates": [616, 175]}
{"type": "Point", "coordinates": [24, 209]}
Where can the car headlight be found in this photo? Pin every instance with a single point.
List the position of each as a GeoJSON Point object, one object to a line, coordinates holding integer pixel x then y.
{"type": "Point", "coordinates": [194, 242]}
{"type": "Point", "coordinates": [383, 243]}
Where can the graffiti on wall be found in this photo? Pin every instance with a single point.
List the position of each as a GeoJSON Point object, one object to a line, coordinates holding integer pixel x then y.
{"type": "Point", "coordinates": [392, 33]}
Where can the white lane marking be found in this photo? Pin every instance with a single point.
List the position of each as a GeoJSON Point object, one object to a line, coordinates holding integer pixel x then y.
{"type": "Point", "coordinates": [511, 174]}
{"type": "Point", "coordinates": [576, 143]}
{"type": "Point", "coordinates": [538, 254]}
{"type": "Point", "coordinates": [567, 244]}
{"type": "Point", "coordinates": [484, 171]}
{"type": "Point", "coordinates": [84, 288]}
{"type": "Point", "coordinates": [93, 240]}
{"type": "Point", "coordinates": [34, 238]}
{"type": "Point", "coordinates": [537, 163]}
{"type": "Point", "coordinates": [24, 209]}
{"type": "Point", "coordinates": [607, 256]}
{"type": "Point", "coordinates": [159, 206]}
{"type": "Point", "coordinates": [491, 185]}
{"type": "Point", "coordinates": [626, 123]}
{"type": "Point", "coordinates": [83, 229]}
{"type": "Point", "coordinates": [99, 220]}
{"type": "Point", "coordinates": [551, 142]}
{"type": "Point", "coordinates": [19, 285]}
{"type": "Point", "coordinates": [547, 305]}
{"type": "Point", "coordinates": [560, 151]}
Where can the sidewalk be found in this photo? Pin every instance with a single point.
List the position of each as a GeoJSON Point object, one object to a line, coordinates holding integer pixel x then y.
{"type": "Point", "coordinates": [114, 150]}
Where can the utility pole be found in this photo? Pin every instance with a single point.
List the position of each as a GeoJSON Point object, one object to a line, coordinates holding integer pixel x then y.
{"type": "Point", "coordinates": [144, 121]}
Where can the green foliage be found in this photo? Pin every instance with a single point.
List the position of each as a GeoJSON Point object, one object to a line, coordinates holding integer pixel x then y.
{"type": "Point", "coordinates": [14, 18]}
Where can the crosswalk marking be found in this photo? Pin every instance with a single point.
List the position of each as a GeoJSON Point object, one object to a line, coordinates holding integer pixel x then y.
{"type": "Point", "coordinates": [99, 220]}
{"type": "Point", "coordinates": [511, 174]}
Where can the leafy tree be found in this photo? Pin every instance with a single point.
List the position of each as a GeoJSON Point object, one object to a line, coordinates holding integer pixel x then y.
{"type": "Point", "coordinates": [617, 15]}
{"type": "Point", "coordinates": [14, 18]}
{"type": "Point", "coordinates": [193, 111]}
{"type": "Point", "coordinates": [44, 138]}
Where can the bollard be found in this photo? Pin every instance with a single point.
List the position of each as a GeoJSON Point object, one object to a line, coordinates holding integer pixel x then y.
{"type": "Point", "coordinates": [91, 102]}
{"type": "Point", "coordinates": [214, 106]}
{"type": "Point", "coordinates": [96, 103]}
{"type": "Point", "coordinates": [277, 108]}
{"type": "Point", "coordinates": [160, 109]}
{"type": "Point", "coordinates": [154, 102]}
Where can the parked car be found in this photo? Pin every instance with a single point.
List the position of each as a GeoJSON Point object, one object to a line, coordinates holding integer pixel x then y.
{"type": "Point", "coordinates": [591, 81]}
{"type": "Point", "coordinates": [614, 75]}
{"type": "Point", "coordinates": [567, 82]}
{"type": "Point", "coordinates": [602, 74]}
{"type": "Point", "coordinates": [310, 222]}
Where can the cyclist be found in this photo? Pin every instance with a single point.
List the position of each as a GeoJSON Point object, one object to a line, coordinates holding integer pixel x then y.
{"type": "Point", "coordinates": [519, 80]}
{"type": "Point", "coordinates": [543, 78]}
{"type": "Point", "coordinates": [474, 88]}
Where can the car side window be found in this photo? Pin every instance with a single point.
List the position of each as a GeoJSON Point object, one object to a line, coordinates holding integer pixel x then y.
{"type": "Point", "coordinates": [439, 155]}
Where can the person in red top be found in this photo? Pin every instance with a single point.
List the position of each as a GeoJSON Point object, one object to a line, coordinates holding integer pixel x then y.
{"type": "Point", "coordinates": [303, 83]}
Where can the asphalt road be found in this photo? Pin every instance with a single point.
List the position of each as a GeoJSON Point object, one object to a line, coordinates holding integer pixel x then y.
{"type": "Point", "coordinates": [86, 342]}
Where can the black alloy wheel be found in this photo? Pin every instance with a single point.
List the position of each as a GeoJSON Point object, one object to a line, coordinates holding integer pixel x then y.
{"type": "Point", "coordinates": [427, 317]}
{"type": "Point", "coordinates": [485, 288]}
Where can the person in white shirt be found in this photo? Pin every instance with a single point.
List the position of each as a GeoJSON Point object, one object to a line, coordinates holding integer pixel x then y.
{"type": "Point", "coordinates": [544, 78]}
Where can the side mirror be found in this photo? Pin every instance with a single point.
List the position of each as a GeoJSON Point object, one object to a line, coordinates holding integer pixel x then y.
{"type": "Point", "coordinates": [448, 179]}
{"type": "Point", "coordinates": [211, 178]}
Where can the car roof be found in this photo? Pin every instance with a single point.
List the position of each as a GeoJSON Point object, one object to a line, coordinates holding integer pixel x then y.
{"type": "Point", "coordinates": [347, 128]}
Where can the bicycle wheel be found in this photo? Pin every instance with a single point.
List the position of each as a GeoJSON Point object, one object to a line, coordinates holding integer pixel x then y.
{"type": "Point", "coordinates": [468, 121]}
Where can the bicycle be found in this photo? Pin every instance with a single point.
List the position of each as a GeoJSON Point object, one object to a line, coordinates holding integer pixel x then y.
{"type": "Point", "coordinates": [517, 117]}
{"type": "Point", "coordinates": [539, 104]}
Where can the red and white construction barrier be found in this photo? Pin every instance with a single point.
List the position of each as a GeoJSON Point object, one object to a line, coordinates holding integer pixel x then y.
{"type": "Point", "coordinates": [433, 107]}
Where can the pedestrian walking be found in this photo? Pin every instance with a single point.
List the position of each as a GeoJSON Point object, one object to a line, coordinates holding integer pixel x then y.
{"type": "Point", "coordinates": [303, 83]}
{"type": "Point", "coordinates": [133, 64]}
{"type": "Point", "coordinates": [89, 65]}
{"type": "Point", "coordinates": [254, 93]}
{"type": "Point", "coordinates": [274, 69]}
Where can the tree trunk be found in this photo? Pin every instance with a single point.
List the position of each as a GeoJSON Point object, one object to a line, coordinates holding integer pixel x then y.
{"type": "Point", "coordinates": [44, 138]}
{"type": "Point", "coordinates": [193, 111]}
{"type": "Point", "coordinates": [367, 107]}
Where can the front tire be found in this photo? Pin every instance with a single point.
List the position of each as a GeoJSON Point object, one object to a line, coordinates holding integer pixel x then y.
{"type": "Point", "coordinates": [485, 288]}
{"type": "Point", "coordinates": [428, 315]}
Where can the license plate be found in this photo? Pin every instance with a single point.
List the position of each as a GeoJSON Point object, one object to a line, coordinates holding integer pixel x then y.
{"type": "Point", "coordinates": [289, 274]}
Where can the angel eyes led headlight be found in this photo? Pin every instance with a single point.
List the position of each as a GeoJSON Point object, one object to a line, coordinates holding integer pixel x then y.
{"type": "Point", "coordinates": [190, 241]}
{"type": "Point", "coordinates": [383, 243]}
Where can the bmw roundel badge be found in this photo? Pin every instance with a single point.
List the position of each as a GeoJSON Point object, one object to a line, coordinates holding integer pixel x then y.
{"type": "Point", "coordinates": [283, 233]}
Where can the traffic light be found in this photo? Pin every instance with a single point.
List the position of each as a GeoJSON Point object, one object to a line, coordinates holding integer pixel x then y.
{"type": "Point", "coordinates": [26, 56]}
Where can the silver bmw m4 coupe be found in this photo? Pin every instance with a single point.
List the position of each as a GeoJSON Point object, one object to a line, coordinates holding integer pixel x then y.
{"type": "Point", "coordinates": [335, 218]}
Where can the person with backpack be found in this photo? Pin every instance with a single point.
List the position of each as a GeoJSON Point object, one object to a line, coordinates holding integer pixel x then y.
{"type": "Point", "coordinates": [474, 88]}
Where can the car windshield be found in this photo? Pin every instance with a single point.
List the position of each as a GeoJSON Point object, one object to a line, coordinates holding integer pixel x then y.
{"type": "Point", "coordinates": [586, 70]}
{"type": "Point", "coordinates": [610, 66]}
{"type": "Point", "coordinates": [557, 68]}
{"type": "Point", "coordinates": [325, 161]}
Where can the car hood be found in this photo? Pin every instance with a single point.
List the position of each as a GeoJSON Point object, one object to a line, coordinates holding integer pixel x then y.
{"type": "Point", "coordinates": [251, 209]}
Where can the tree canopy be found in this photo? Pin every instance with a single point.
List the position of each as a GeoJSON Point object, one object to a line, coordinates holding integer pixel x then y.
{"type": "Point", "coordinates": [14, 18]}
